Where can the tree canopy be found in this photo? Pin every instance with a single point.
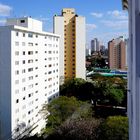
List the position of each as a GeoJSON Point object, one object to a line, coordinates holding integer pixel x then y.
{"type": "Point", "coordinates": [114, 128]}
{"type": "Point", "coordinates": [64, 108]}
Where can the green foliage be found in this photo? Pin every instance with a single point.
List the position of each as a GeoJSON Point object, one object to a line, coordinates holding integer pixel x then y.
{"type": "Point", "coordinates": [85, 129]}
{"type": "Point", "coordinates": [114, 128]}
{"type": "Point", "coordinates": [103, 90]}
{"type": "Point", "coordinates": [64, 108]}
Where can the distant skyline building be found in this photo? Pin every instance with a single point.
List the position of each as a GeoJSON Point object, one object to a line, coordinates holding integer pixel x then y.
{"type": "Point", "coordinates": [94, 45]}
{"type": "Point", "coordinates": [88, 51]}
{"type": "Point", "coordinates": [71, 28]}
{"type": "Point", "coordinates": [29, 72]}
{"type": "Point", "coordinates": [117, 54]}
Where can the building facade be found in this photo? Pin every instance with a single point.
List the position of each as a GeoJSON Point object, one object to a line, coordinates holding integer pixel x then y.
{"type": "Point", "coordinates": [117, 54]}
{"type": "Point", "coordinates": [95, 47]}
{"type": "Point", "coordinates": [71, 27]}
{"type": "Point", "coordinates": [133, 94]}
{"type": "Point", "coordinates": [29, 71]}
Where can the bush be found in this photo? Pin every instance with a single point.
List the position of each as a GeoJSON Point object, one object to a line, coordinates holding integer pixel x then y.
{"type": "Point", "coordinates": [114, 128]}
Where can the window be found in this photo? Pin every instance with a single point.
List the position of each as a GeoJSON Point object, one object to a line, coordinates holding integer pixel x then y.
{"type": "Point", "coordinates": [17, 82]}
{"type": "Point", "coordinates": [16, 52]}
{"type": "Point", "coordinates": [23, 62]}
{"type": "Point", "coordinates": [23, 71]}
{"type": "Point", "coordinates": [30, 44]}
{"type": "Point", "coordinates": [16, 62]}
{"type": "Point", "coordinates": [24, 88]}
{"type": "Point", "coordinates": [30, 52]}
{"type": "Point", "coordinates": [36, 84]}
{"type": "Point", "coordinates": [30, 69]}
{"type": "Point", "coordinates": [49, 52]}
{"type": "Point", "coordinates": [50, 65]}
{"type": "Point", "coordinates": [23, 34]}
{"type": "Point", "coordinates": [30, 61]}
{"type": "Point", "coordinates": [17, 33]}
{"type": "Point", "coordinates": [29, 95]}
{"type": "Point", "coordinates": [17, 110]}
{"type": "Point", "coordinates": [17, 72]}
{"type": "Point", "coordinates": [30, 78]}
{"type": "Point", "coordinates": [30, 86]}
{"type": "Point", "coordinates": [16, 43]}
{"type": "Point", "coordinates": [30, 35]}
{"type": "Point", "coordinates": [23, 43]}
{"type": "Point", "coordinates": [17, 100]}
{"type": "Point", "coordinates": [22, 21]}
{"type": "Point", "coordinates": [17, 91]}
{"type": "Point", "coordinates": [49, 72]}
{"type": "Point", "coordinates": [23, 80]}
{"type": "Point", "coordinates": [23, 52]}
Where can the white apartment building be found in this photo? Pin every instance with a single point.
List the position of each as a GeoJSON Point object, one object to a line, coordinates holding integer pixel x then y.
{"type": "Point", "coordinates": [71, 27]}
{"type": "Point", "coordinates": [29, 75]}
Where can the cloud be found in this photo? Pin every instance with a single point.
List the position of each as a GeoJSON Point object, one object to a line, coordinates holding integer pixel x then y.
{"type": "Point", "coordinates": [91, 27]}
{"type": "Point", "coordinates": [118, 24]}
{"type": "Point", "coordinates": [98, 15]}
{"type": "Point", "coordinates": [43, 19]}
{"type": "Point", "coordinates": [118, 15]}
{"type": "Point", "coordinates": [5, 10]}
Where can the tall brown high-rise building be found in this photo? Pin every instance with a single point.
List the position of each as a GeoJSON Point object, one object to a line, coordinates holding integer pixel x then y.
{"type": "Point", "coordinates": [117, 54]}
{"type": "Point", "coordinates": [71, 28]}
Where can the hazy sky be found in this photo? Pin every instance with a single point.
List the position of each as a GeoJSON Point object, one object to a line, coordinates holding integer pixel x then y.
{"type": "Point", "coordinates": [105, 19]}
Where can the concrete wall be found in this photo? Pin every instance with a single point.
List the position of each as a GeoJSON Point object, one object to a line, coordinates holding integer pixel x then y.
{"type": "Point", "coordinates": [80, 47]}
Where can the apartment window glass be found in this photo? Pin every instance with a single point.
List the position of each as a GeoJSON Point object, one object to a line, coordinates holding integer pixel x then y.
{"type": "Point", "coordinates": [23, 80]}
{"type": "Point", "coordinates": [16, 43]}
{"type": "Point", "coordinates": [17, 82]}
{"type": "Point", "coordinates": [17, 91]}
{"type": "Point", "coordinates": [17, 72]}
{"type": "Point", "coordinates": [17, 100]}
{"type": "Point", "coordinates": [30, 35]}
{"type": "Point", "coordinates": [23, 34]}
{"type": "Point", "coordinates": [23, 43]}
{"type": "Point", "coordinates": [23, 52]}
{"type": "Point", "coordinates": [24, 88]}
{"type": "Point", "coordinates": [30, 61]}
{"type": "Point", "coordinates": [30, 77]}
{"type": "Point", "coordinates": [30, 52]}
{"type": "Point", "coordinates": [49, 52]}
{"type": "Point", "coordinates": [30, 44]}
{"type": "Point", "coordinates": [17, 33]}
{"type": "Point", "coordinates": [16, 52]}
{"type": "Point", "coordinates": [23, 62]}
{"type": "Point", "coordinates": [23, 71]}
{"type": "Point", "coordinates": [30, 69]}
{"type": "Point", "coordinates": [16, 62]}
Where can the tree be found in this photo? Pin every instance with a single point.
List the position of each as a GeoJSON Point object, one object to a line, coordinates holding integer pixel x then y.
{"type": "Point", "coordinates": [85, 129]}
{"type": "Point", "coordinates": [71, 86]}
{"type": "Point", "coordinates": [64, 108]}
{"type": "Point", "coordinates": [114, 128]}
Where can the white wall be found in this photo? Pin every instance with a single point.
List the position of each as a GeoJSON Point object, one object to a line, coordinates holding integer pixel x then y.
{"type": "Point", "coordinates": [13, 114]}
{"type": "Point", "coordinates": [59, 29]}
{"type": "Point", "coordinates": [80, 47]}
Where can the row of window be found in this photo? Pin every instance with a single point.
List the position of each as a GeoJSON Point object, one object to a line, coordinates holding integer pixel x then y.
{"type": "Point", "coordinates": [31, 35]}
{"type": "Point", "coordinates": [36, 52]}
{"type": "Point", "coordinates": [35, 44]}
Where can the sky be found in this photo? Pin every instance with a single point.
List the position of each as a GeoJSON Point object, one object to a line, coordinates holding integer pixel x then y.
{"type": "Point", "coordinates": [105, 19]}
